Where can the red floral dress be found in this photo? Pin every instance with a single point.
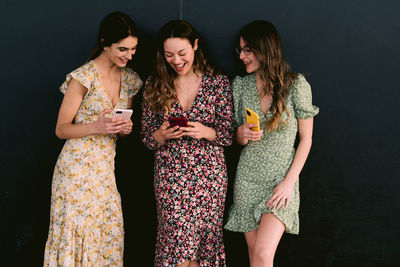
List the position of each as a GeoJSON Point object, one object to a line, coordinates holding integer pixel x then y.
{"type": "Point", "coordinates": [190, 178]}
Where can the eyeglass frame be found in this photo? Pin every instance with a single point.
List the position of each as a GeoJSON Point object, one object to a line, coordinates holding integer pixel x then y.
{"type": "Point", "coordinates": [246, 50]}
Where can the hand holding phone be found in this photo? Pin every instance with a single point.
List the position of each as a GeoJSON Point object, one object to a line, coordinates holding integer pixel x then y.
{"type": "Point", "coordinates": [253, 118]}
{"type": "Point", "coordinates": [125, 113]}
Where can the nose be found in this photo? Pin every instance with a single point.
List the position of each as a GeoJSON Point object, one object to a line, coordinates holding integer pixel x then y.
{"type": "Point", "coordinates": [129, 55]}
{"type": "Point", "coordinates": [175, 59]}
{"type": "Point", "coordinates": [241, 54]}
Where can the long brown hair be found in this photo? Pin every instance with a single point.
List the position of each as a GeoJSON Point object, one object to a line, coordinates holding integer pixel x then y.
{"type": "Point", "coordinates": [160, 91]}
{"type": "Point", "coordinates": [275, 74]}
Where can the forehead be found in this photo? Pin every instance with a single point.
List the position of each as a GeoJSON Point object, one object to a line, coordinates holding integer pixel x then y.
{"type": "Point", "coordinates": [176, 44]}
{"type": "Point", "coordinates": [130, 41]}
{"type": "Point", "coordinates": [242, 42]}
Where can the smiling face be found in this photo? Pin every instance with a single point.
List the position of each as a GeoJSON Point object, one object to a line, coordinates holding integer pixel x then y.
{"type": "Point", "coordinates": [250, 61]}
{"type": "Point", "coordinates": [179, 54]}
{"type": "Point", "coordinates": [120, 53]}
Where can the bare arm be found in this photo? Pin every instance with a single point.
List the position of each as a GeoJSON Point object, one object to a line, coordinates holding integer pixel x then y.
{"type": "Point", "coordinates": [65, 129]}
{"type": "Point", "coordinates": [284, 190]}
{"type": "Point", "coordinates": [303, 149]}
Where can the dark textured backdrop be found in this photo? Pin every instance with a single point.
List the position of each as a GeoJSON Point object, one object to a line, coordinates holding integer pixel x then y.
{"type": "Point", "coordinates": [348, 50]}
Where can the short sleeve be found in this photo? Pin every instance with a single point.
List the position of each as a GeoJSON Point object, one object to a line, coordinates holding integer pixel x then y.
{"type": "Point", "coordinates": [134, 82]}
{"type": "Point", "coordinates": [84, 75]}
{"type": "Point", "coordinates": [237, 89]}
{"type": "Point", "coordinates": [302, 99]}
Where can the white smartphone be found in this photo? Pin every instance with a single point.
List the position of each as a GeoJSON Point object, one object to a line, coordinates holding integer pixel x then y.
{"type": "Point", "coordinates": [125, 113]}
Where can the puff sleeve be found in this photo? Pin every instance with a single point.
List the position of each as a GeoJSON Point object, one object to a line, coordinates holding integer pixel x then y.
{"type": "Point", "coordinates": [302, 99]}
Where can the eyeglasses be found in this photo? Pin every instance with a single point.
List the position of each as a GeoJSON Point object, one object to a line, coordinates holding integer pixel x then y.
{"type": "Point", "coordinates": [246, 50]}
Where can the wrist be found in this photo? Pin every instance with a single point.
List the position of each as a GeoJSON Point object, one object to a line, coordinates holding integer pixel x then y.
{"type": "Point", "coordinates": [92, 128]}
{"type": "Point", "coordinates": [291, 178]}
{"type": "Point", "coordinates": [158, 137]}
{"type": "Point", "coordinates": [241, 140]}
{"type": "Point", "coordinates": [212, 134]}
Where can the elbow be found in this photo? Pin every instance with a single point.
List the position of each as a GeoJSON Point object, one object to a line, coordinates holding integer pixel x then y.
{"type": "Point", "coordinates": [59, 133]}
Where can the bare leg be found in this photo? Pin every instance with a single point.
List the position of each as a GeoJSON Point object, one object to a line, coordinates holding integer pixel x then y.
{"type": "Point", "coordinates": [185, 264]}
{"type": "Point", "coordinates": [251, 241]}
{"type": "Point", "coordinates": [194, 264]}
{"type": "Point", "coordinates": [269, 234]}
{"type": "Point", "coordinates": [189, 264]}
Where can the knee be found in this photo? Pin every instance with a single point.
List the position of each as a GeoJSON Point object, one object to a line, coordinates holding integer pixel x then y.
{"type": "Point", "coordinates": [250, 247]}
{"type": "Point", "coordinates": [263, 255]}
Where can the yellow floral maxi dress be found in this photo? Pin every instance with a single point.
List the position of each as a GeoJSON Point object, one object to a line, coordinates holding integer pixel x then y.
{"type": "Point", "coordinates": [86, 226]}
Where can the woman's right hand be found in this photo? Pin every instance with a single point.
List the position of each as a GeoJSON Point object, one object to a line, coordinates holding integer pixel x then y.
{"type": "Point", "coordinates": [165, 132]}
{"type": "Point", "coordinates": [108, 125]}
{"type": "Point", "coordinates": [244, 134]}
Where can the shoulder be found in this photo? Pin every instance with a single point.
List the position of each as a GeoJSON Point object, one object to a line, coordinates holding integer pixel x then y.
{"type": "Point", "coordinates": [131, 73]}
{"type": "Point", "coordinates": [133, 77]}
{"type": "Point", "coordinates": [84, 75]}
{"type": "Point", "coordinates": [244, 80]}
{"type": "Point", "coordinates": [299, 81]}
{"type": "Point", "coordinates": [87, 70]}
{"type": "Point", "coordinates": [241, 83]}
{"type": "Point", "coordinates": [299, 85]}
{"type": "Point", "coordinates": [215, 79]}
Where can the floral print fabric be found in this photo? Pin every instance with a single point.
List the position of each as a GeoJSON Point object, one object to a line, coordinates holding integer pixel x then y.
{"type": "Point", "coordinates": [86, 226]}
{"type": "Point", "coordinates": [264, 163]}
{"type": "Point", "coordinates": [190, 178]}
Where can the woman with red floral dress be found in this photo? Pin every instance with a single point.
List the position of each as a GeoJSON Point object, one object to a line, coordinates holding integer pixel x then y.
{"type": "Point", "coordinates": [190, 176]}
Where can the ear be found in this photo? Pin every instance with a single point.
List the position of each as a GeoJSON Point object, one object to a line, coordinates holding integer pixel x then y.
{"type": "Point", "coordinates": [195, 45]}
{"type": "Point", "coordinates": [102, 44]}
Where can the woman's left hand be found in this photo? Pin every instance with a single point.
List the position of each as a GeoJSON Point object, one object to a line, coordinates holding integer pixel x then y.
{"type": "Point", "coordinates": [197, 130]}
{"type": "Point", "coordinates": [282, 194]}
{"type": "Point", "coordinates": [126, 128]}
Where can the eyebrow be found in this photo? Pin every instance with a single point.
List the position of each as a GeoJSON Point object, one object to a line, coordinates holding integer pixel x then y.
{"type": "Point", "coordinates": [178, 51]}
{"type": "Point", "coordinates": [127, 47]}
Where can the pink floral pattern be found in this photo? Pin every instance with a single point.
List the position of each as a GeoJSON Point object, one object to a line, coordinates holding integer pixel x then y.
{"type": "Point", "coordinates": [190, 178]}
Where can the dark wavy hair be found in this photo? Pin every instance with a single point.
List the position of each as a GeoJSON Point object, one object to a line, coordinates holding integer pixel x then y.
{"type": "Point", "coordinates": [160, 91]}
{"type": "Point", "coordinates": [113, 28]}
{"type": "Point", "coordinates": [276, 77]}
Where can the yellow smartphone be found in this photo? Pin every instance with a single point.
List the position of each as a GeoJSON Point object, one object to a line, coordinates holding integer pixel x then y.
{"type": "Point", "coordinates": [253, 118]}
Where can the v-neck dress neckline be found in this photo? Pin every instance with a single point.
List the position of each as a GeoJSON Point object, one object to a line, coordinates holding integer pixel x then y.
{"type": "Point", "coordinates": [257, 96]}
{"type": "Point", "coordinates": [104, 89]}
{"type": "Point", "coordinates": [178, 103]}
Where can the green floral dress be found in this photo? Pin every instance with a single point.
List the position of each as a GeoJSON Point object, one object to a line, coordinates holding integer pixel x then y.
{"type": "Point", "coordinates": [264, 163]}
{"type": "Point", "coordinates": [86, 226]}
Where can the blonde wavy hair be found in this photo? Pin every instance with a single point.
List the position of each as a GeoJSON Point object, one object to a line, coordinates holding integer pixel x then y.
{"type": "Point", "coordinates": [160, 91]}
{"type": "Point", "coordinates": [275, 74]}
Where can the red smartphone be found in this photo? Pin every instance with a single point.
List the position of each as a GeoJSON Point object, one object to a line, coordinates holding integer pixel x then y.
{"type": "Point", "coordinates": [180, 121]}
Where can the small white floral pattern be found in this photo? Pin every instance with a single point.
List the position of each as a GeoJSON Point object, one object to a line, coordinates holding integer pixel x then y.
{"type": "Point", "coordinates": [264, 163]}
{"type": "Point", "coordinates": [86, 225]}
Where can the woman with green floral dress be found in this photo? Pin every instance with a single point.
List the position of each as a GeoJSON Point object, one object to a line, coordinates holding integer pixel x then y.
{"type": "Point", "coordinates": [266, 191]}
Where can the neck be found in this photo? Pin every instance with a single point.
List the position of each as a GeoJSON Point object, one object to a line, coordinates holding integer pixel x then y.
{"type": "Point", "coordinates": [191, 75]}
{"type": "Point", "coordinates": [105, 64]}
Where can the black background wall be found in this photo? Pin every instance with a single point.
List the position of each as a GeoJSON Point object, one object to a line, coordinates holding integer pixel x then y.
{"type": "Point", "coordinates": [348, 50]}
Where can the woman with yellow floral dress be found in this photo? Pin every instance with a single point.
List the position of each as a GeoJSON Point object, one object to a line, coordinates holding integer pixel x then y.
{"type": "Point", "coordinates": [86, 226]}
